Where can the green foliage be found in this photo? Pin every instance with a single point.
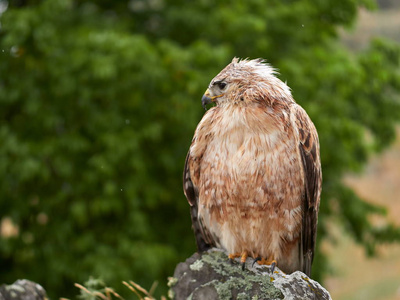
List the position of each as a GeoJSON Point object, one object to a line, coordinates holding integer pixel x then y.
{"type": "Point", "coordinates": [99, 101]}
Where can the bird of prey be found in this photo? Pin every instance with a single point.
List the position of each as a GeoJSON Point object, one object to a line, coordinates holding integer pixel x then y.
{"type": "Point", "coordinates": [252, 175]}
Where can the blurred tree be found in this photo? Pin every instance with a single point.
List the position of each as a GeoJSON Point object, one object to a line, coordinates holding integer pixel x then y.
{"type": "Point", "coordinates": [99, 101]}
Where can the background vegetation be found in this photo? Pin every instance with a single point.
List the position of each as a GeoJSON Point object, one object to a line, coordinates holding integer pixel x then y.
{"type": "Point", "coordinates": [98, 104]}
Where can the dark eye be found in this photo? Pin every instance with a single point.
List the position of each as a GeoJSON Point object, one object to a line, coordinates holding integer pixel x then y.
{"type": "Point", "coordinates": [221, 85]}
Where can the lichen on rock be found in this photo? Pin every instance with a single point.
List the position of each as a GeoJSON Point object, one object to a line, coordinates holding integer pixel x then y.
{"type": "Point", "coordinates": [210, 275]}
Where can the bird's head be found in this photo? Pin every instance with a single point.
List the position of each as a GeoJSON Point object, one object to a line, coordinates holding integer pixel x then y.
{"type": "Point", "coordinates": [246, 82]}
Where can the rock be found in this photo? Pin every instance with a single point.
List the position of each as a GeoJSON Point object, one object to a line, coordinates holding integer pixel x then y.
{"type": "Point", "coordinates": [210, 275]}
{"type": "Point", "coordinates": [22, 290]}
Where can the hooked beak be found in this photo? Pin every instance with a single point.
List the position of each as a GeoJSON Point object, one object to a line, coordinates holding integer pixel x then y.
{"type": "Point", "coordinates": [207, 99]}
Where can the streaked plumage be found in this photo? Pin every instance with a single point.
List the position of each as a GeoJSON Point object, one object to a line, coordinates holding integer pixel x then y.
{"type": "Point", "coordinates": [252, 174]}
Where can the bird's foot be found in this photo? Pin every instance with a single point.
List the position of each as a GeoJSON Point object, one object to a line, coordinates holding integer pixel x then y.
{"type": "Point", "coordinates": [243, 256]}
{"type": "Point", "coordinates": [243, 259]}
{"type": "Point", "coordinates": [273, 265]}
{"type": "Point", "coordinates": [233, 256]}
{"type": "Point", "coordinates": [262, 261]}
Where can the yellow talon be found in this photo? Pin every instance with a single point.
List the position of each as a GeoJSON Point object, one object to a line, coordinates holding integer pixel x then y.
{"type": "Point", "coordinates": [263, 261]}
{"type": "Point", "coordinates": [243, 257]}
{"type": "Point", "coordinates": [233, 256]}
{"type": "Point", "coordinates": [269, 261]}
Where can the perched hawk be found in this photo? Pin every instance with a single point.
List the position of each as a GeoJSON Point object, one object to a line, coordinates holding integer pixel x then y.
{"type": "Point", "coordinates": [253, 174]}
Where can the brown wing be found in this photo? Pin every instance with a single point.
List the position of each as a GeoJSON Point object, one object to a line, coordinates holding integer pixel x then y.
{"type": "Point", "coordinates": [192, 196]}
{"type": "Point", "coordinates": [309, 150]}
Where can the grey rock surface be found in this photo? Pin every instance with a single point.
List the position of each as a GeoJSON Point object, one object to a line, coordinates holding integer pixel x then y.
{"type": "Point", "coordinates": [210, 275]}
{"type": "Point", "coordinates": [22, 289]}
